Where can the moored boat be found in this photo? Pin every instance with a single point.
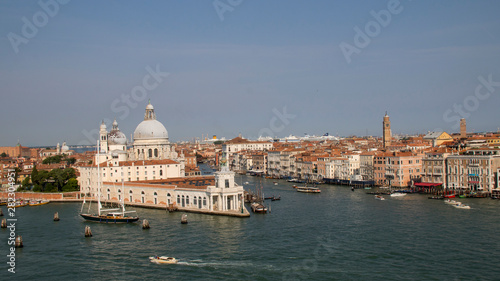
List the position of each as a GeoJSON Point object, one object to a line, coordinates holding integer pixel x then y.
{"type": "Point", "coordinates": [378, 197]}
{"type": "Point", "coordinates": [306, 189]}
{"type": "Point", "coordinates": [38, 202]}
{"type": "Point", "coordinates": [397, 194]}
{"type": "Point", "coordinates": [258, 208]}
{"type": "Point", "coordinates": [163, 260]}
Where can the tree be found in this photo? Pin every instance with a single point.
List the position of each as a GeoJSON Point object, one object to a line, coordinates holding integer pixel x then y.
{"type": "Point", "coordinates": [26, 182]}
{"type": "Point", "coordinates": [70, 161]}
{"type": "Point", "coordinates": [52, 159]}
{"type": "Point", "coordinates": [71, 185]}
{"type": "Point", "coordinates": [17, 170]}
{"type": "Point", "coordinates": [4, 154]}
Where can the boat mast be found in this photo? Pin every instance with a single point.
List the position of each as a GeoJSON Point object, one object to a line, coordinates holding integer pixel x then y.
{"type": "Point", "coordinates": [98, 179]}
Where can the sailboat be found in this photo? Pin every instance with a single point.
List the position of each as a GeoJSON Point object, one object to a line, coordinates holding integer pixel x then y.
{"type": "Point", "coordinates": [258, 206]}
{"type": "Point", "coordinates": [117, 215]}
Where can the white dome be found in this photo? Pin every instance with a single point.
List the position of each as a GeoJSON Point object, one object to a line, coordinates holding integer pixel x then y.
{"type": "Point", "coordinates": [117, 137]}
{"type": "Point", "coordinates": [150, 129]}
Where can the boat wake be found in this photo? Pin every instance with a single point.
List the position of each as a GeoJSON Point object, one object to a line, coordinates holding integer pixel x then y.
{"type": "Point", "coordinates": [218, 264]}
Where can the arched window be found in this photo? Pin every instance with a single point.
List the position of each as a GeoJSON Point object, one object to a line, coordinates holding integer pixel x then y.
{"type": "Point", "coordinates": [142, 192]}
{"type": "Point", "coordinates": [178, 199]}
{"type": "Point", "coordinates": [187, 200]}
{"type": "Point", "coordinates": [156, 152]}
{"type": "Point", "coordinates": [138, 151]}
{"type": "Point", "coordinates": [204, 201]}
{"type": "Point", "coordinates": [168, 195]}
{"type": "Point", "coordinates": [150, 152]}
{"type": "Point", "coordinates": [195, 201]}
{"type": "Point", "coordinates": [119, 191]}
{"type": "Point", "coordinates": [130, 191]}
{"type": "Point", "coordinates": [155, 194]}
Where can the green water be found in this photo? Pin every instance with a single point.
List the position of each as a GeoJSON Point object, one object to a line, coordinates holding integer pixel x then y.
{"type": "Point", "coordinates": [335, 235]}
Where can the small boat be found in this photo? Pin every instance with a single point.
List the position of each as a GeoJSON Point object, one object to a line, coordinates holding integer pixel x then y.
{"type": "Point", "coordinates": [269, 198]}
{"type": "Point", "coordinates": [275, 183]}
{"type": "Point", "coordinates": [397, 194]}
{"type": "Point", "coordinates": [461, 206]}
{"type": "Point", "coordinates": [306, 189]}
{"type": "Point", "coordinates": [184, 219]}
{"type": "Point", "coordinates": [451, 202]}
{"type": "Point", "coordinates": [384, 187]}
{"type": "Point", "coordinates": [38, 202]}
{"type": "Point", "coordinates": [378, 197]}
{"type": "Point", "coordinates": [294, 186]}
{"type": "Point", "coordinates": [163, 260]}
{"type": "Point", "coordinates": [276, 198]}
{"type": "Point", "coordinates": [436, 197]}
{"type": "Point", "coordinates": [368, 187]}
{"type": "Point", "coordinates": [245, 182]}
{"type": "Point", "coordinates": [449, 196]}
{"type": "Point", "coordinates": [258, 208]}
{"type": "Point", "coordinates": [20, 204]}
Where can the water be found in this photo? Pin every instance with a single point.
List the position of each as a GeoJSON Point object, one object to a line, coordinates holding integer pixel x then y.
{"type": "Point", "coordinates": [335, 235]}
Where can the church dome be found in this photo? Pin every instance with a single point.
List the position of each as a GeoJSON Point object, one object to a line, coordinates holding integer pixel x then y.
{"type": "Point", "coordinates": [150, 129]}
{"type": "Point", "coordinates": [116, 136]}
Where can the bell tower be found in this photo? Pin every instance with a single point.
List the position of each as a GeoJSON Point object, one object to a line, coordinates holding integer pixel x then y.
{"type": "Point", "coordinates": [386, 124]}
{"type": "Point", "coordinates": [463, 128]}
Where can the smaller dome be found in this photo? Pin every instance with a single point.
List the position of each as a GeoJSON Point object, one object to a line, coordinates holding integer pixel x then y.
{"type": "Point", "coordinates": [149, 106]}
{"type": "Point", "coordinates": [103, 126]}
{"type": "Point", "coordinates": [117, 137]}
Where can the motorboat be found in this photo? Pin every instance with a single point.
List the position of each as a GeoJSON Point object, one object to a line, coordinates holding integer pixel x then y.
{"type": "Point", "coordinates": [398, 194]}
{"type": "Point", "coordinates": [306, 189]}
{"type": "Point", "coordinates": [451, 202]}
{"type": "Point", "coordinates": [378, 197]}
{"type": "Point", "coordinates": [275, 183]}
{"type": "Point", "coordinates": [38, 202]}
{"type": "Point", "coordinates": [461, 206]}
{"type": "Point", "coordinates": [21, 204]}
{"type": "Point", "coordinates": [163, 260]}
{"type": "Point", "coordinates": [246, 182]}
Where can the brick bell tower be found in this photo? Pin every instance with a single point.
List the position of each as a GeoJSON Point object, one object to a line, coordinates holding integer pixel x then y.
{"type": "Point", "coordinates": [387, 130]}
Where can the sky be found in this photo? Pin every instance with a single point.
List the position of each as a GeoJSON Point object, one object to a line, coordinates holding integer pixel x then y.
{"type": "Point", "coordinates": [226, 67]}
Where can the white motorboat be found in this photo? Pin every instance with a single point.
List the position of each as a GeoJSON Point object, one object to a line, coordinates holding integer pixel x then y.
{"type": "Point", "coordinates": [163, 260]}
{"type": "Point", "coordinates": [398, 194]}
{"type": "Point", "coordinates": [451, 202]}
{"type": "Point", "coordinates": [461, 206]}
{"type": "Point", "coordinates": [378, 197]}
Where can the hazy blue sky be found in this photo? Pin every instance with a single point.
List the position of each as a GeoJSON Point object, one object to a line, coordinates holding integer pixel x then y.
{"type": "Point", "coordinates": [233, 69]}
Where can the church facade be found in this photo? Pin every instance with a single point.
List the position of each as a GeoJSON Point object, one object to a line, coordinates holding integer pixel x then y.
{"type": "Point", "coordinates": [152, 174]}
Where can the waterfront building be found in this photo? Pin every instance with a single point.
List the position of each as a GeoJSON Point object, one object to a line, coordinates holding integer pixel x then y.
{"type": "Point", "coordinates": [366, 168]}
{"type": "Point", "coordinates": [151, 157]}
{"type": "Point", "coordinates": [386, 126]}
{"type": "Point", "coordinates": [434, 167]}
{"type": "Point", "coordinates": [402, 168]}
{"type": "Point", "coordinates": [474, 170]}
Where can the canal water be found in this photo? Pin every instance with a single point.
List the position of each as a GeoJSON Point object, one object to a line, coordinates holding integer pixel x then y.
{"type": "Point", "coordinates": [335, 235]}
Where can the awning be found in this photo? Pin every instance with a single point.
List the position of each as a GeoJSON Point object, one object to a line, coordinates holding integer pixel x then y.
{"type": "Point", "coordinates": [427, 184]}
